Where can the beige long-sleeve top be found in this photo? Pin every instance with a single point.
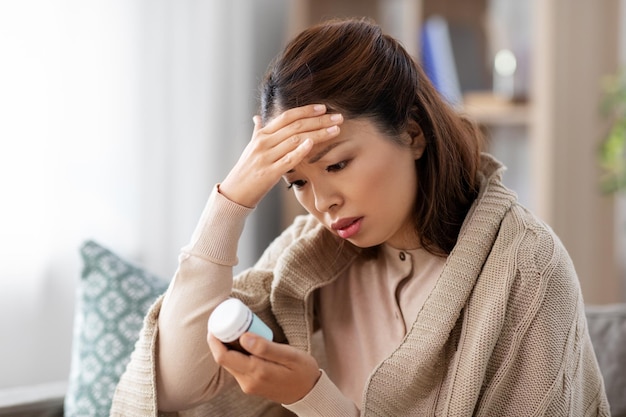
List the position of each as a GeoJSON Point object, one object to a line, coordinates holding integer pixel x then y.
{"type": "Point", "coordinates": [502, 332]}
{"type": "Point", "coordinates": [363, 315]}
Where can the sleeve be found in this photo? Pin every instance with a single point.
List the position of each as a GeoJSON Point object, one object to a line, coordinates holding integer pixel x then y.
{"type": "Point", "coordinates": [171, 367]}
{"type": "Point", "coordinates": [324, 400]}
{"type": "Point", "coordinates": [186, 374]}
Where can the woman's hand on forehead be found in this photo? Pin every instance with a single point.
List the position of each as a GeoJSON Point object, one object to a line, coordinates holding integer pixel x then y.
{"type": "Point", "coordinates": [295, 115]}
{"type": "Point", "coordinates": [277, 148]}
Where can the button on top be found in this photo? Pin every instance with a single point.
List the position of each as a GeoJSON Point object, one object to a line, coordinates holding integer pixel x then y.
{"type": "Point", "coordinates": [402, 256]}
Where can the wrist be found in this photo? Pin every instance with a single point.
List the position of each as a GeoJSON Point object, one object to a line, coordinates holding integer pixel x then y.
{"type": "Point", "coordinates": [324, 399]}
{"type": "Point", "coordinates": [226, 191]}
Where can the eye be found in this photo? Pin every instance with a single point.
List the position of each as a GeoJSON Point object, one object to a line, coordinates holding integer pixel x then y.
{"type": "Point", "coordinates": [297, 184]}
{"type": "Point", "coordinates": [337, 167]}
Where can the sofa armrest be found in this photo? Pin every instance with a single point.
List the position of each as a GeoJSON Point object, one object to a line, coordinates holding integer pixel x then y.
{"type": "Point", "coordinates": [607, 329]}
{"type": "Point", "coordinates": [42, 400]}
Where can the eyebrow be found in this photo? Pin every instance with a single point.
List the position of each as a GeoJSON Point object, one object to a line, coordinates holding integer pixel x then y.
{"type": "Point", "coordinates": [321, 154]}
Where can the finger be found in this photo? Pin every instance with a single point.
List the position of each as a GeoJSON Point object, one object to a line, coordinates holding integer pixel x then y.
{"type": "Point", "coordinates": [316, 136]}
{"type": "Point", "coordinates": [262, 348]}
{"type": "Point", "coordinates": [217, 347]}
{"type": "Point", "coordinates": [291, 115]}
{"type": "Point", "coordinates": [238, 364]}
{"type": "Point", "coordinates": [305, 126]}
{"type": "Point", "coordinates": [258, 122]}
{"type": "Point", "coordinates": [225, 357]}
{"type": "Point", "coordinates": [292, 158]}
{"type": "Point", "coordinates": [319, 130]}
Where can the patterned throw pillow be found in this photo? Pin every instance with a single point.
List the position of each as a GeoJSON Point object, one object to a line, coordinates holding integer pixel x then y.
{"type": "Point", "coordinates": [112, 299]}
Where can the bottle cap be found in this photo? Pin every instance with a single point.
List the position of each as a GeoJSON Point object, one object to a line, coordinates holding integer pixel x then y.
{"type": "Point", "coordinates": [230, 320]}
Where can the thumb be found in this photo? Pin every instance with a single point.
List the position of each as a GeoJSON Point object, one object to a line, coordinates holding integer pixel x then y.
{"type": "Point", "coordinates": [262, 348]}
{"type": "Point", "coordinates": [270, 351]}
{"type": "Point", "coordinates": [249, 342]}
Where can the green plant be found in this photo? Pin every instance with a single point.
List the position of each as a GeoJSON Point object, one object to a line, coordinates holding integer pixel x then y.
{"type": "Point", "coordinates": [613, 147]}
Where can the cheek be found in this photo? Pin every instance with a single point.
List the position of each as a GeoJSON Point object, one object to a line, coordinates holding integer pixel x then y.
{"type": "Point", "coordinates": [393, 182]}
{"type": "Point", "coordinates": [306, 201]}
{"type": "Point", "coordinates": [393, 172]}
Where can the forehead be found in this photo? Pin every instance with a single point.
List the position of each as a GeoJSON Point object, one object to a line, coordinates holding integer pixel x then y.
{"type": "Point", "coordinates": [358, 127]}
{"type": "Point", "coordinates": [355, 128]}
{"type": "Point", "coordinates": [352, 131]}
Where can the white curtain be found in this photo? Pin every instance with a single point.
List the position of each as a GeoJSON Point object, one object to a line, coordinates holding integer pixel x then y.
{"type": "Point", "coordinates": [116, 119]}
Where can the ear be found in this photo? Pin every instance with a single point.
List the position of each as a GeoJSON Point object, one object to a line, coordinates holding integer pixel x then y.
{"type": "Point", "coordinates": [418, 140]}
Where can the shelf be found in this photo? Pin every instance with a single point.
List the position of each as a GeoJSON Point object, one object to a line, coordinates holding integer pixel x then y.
{"type": "Point", "coordinates": [489, 110]}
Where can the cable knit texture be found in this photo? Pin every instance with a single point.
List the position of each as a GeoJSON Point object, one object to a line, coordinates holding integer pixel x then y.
{"type": "Point", "coordinates": [503, 332]}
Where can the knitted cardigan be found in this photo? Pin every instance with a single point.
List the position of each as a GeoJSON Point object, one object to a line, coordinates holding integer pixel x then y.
{"type": "Point", "coordinates": [503, 332]}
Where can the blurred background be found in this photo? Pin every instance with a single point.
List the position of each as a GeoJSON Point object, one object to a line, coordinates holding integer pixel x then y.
{"type": "Point", "coordinates": [118, 116]}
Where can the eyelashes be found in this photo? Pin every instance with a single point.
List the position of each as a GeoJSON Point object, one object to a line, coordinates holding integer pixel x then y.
{"type": "Point", "coordinates": [339, 166]}
{"type": "Point", "coordinates": [297, 184]}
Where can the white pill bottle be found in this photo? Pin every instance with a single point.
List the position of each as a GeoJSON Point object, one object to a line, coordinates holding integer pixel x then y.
{"type": "Point", "coordinates": [231, 319]}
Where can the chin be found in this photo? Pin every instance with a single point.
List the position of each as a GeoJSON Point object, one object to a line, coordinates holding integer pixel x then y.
{"type": "Point", "coordinates": [365, 244]}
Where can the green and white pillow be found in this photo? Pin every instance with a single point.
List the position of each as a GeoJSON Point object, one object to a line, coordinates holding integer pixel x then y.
{"type": "Point", "coordinates": [112, 299]}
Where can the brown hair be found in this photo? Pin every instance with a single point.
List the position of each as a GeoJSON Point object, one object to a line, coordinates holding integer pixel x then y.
{"type": "Point", "coordinates": [355, 69]}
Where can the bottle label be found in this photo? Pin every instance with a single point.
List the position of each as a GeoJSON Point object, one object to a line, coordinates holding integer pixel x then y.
{"type": "Point", "coordinates": [258, 327]}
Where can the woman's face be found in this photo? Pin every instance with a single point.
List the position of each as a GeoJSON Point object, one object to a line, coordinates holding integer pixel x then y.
{"type": "Point", "coordinates": [361, 185]}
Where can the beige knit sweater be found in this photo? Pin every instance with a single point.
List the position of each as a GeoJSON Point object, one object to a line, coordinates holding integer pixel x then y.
{"type": "Point", "coordinates": [503, 332]}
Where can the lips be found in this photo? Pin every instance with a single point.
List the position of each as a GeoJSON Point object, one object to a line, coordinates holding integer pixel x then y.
{"type": "Point", "coordinates": [347, 227]}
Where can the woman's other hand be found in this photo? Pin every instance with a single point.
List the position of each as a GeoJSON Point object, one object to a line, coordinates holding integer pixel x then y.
{"type": "Point", "coordinates": [278, 372]}
{"type": "Point", "coordinates": [275, 149]}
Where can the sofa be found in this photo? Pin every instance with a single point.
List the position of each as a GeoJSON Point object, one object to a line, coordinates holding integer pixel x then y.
{"type": "Point", "coordinates": [607, 329]}
{"type": "Point", "coordinates": [113, 297]}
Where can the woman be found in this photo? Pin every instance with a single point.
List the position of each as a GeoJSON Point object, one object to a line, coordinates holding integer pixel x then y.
{"type": "Point", "coordinates": [417, 285]}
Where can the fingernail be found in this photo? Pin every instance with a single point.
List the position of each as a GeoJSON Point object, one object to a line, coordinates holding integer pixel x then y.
{"type": "Point", "coordinates": [247, 341]}
{"type": "Point", "coordinates": [319, 107]}
{"type": "Point", "coordinates": [336, 117]}
{"type": "Point", "coordinates": [332, 129]}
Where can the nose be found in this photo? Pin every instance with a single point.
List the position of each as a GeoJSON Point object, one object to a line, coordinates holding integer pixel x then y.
{"type": "Point", "coordinates": [326, 197]}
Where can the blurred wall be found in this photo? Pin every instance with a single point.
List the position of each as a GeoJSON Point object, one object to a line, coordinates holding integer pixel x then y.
{"type": "Point", "coordinates": [118, 117]}
{"type": "Point", "coordinates": [576, 45]}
